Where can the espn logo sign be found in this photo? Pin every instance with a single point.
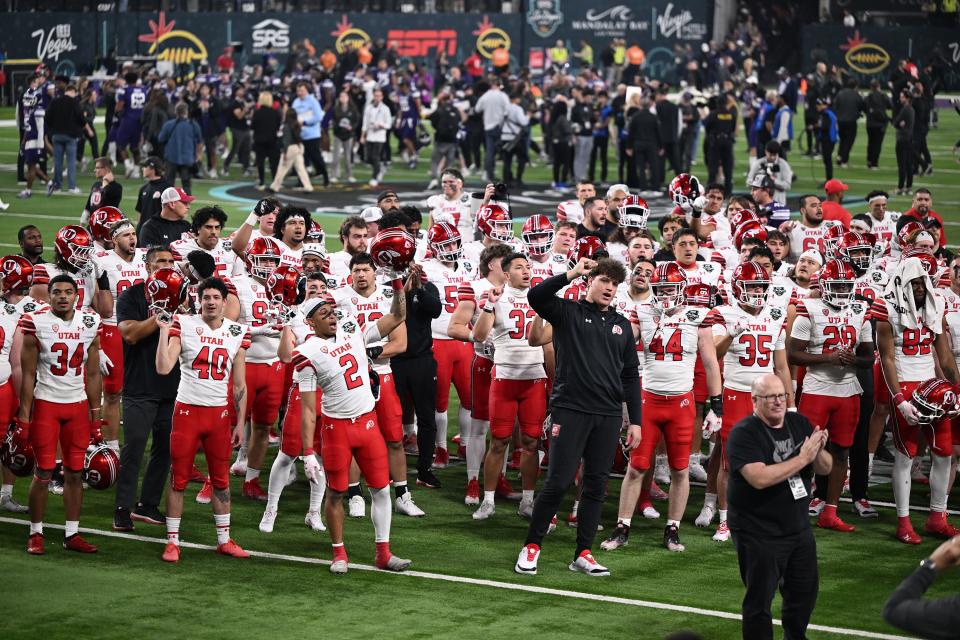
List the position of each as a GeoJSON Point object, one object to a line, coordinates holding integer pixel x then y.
{"type": "Point", "coordinates": [420, 42]}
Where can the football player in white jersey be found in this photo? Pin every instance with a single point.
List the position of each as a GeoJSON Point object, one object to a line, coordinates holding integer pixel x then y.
{"type": "Point", "coordinates": [631, 217]}
{"type": "Point", "coordinates": [207, 224]}
{"type": "Point", "coordinates": [335, 362]}
{"type": "Point", "coordinates": [259, 224]}
{"type": "Point", "coordinates": [73, 252]}
{"type": "Point", "coordinates": [263, 368]}
{"type": "Point", "coordinates": [883, 222]}
{"type": "Point", "coordinates": [671, 343]}
{"type": "Point", "coordinates": [353, 235]}
{"type": "Point", "coordinates": [210, 351]}
{"type": "Point", "coordinates": [806, 268]}
{"type": "Point", "coordinates": [495, 223]}
{"type": "Point", "coordinates": [807, 232]}
{"type": "Point", "coordinates": [117, 270]}
{"type": "Point", "coordinates": [60, 395]}
{"type": "Point", "coordinates": [537, 236]}
{"type": "Point", "coordinates": [447, 269]}
{"type": "Point", "coordinates": [452, 204]}
{"type": "Point", "coordinates": [290, 232]}
{"type": "Point", "coordinates": [911, 336]}
{"type": "Point", "coordinates": [473, 434]}
{"type": "Point", "coordinates": [518, 390]}
{"type": "Point", "coordinates": [832, 338]}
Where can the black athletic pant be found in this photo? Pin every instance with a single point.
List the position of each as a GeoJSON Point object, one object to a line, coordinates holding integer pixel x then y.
{"type": "Point", "coordinates": [874, 145]}
{"type": "Point", "coordinates": [143, 418]}
{"type": "Point", "coordinates": [415, 378]}
{"type": "Point", "coordinates": [313, 154]}
{"type": "Point", "coordinates": [848, 134]}
{"type": "Point", "coordinates": [904, 164]}
{"type": "Point", "coordinates": [576, 436]}
{"type": "Point", "coordinates": [599, 150]}
{"type": "Point", "coordinates": [826, 149]}
{"type": "Point", "coordinates": [721, 156]}
{"type": "Point", "coordinates": [859, 456]}
{"type": "Point", "coordinates": [266, 153]}
{"type": "Point", "coordinates": [645, 161]}
{"type": "Point", "coordinates": [767, 563]}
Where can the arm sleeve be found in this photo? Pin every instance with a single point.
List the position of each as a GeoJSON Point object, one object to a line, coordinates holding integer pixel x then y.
{"type": "Point", "coordinates": [426, 302]}
{"type": "Point", "coordinates": [630, 378]}
{"type": "Point", "coordinates": [543, 298]}
{"type": "Point", "coordinates": [906, 609]}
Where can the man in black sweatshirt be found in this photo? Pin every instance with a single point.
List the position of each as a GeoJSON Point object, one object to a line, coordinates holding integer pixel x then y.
{"type": "Point", "coordinates": [597, 371]}
{"type": "Point", "coordinates": [65, 124]}
{"type": "Point", "coordinates": [643, 143]}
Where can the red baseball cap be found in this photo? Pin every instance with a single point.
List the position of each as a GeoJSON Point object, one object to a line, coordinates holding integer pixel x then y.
{"type": "Point", "coordinates": [834, 186]}
{"type": "Point", "coordinates": [173, 194]}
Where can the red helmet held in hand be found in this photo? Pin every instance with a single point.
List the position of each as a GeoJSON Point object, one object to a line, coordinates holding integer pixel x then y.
{"type": "Point", "coordinates": [101, 466]}
{"type": "Point", "coordinates": [393, 248]}
{"type": "Point", "coordinates": [684, 189]}
{"type": "Point", "coordinates": [586, 247]}
{"type": "Point", "coordinates": [17, 273]}
{"type": "Point", "coordinates": [102, 221]}
{"type": "Point", "coordinates": [166, 290]}
{"type": "Point", "coordinates": [286, 286]}
{"type": "Point", "coordinates": [929, 262]}
{"type": "Point", "coordinates": [74, 245]}
{"type": "Point", "coordinates": [936, 399]}
{"type": "Point", "coordinates": [749, 229]}
{"type": "Point", "coordinates": [16, 452]}
{"type": "Point", "coordinates": [738, 217]}
{"type": "Point", "coordinates": [633, 212]}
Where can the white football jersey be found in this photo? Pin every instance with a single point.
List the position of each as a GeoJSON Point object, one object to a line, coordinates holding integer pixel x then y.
{"type": "Point", "coordinates": [750, 354]}
{"type": "Point", "coordinates": [803, 238]}
{"type": "Point", "coordinates": [290, 257]}
{"type": "Point", "coordinates": [63, 353]}
{"type": "Point", "coordinates": [340, 263]}
{"type": "Point", "coordinates": [951, 314]}
{"type": "Point", "coordinates": [827, 329]}
{"type": "Point", "coordinates": [871, 284]}
{"type": "Point", "coordinates": [476, 292]}
{"type": "Point", "coordinates": [670, 348]}
{"type": "Point", "coordinates": [223, 256]}
{"type": "Point", "coordinates": [256, 313]}
{"type": "Point", "coordinates": [633, 310]}
{"type": "Point", "coordinates": [367, 310]}
{"type": "Point", "coordinates": [702, 272]}
{"type": "Point", "coordinates": [339, 367]}
{"type": "Point", "coordinates": [121, 274]}
{"type": "Point", "coordinates": [9, 319]}
{"type": "Point", "coordinates": [885, 229]}
{"type": "Point", "coordinates": [618, 251]}
{"type": "Point", "coordinates": [513, 356]}
{"type": "Point", "coordinates": [912, 348]}
{"type": "Point", "coordinates": [86, 281]}
{"type": "Point", "coordinates": [448, 282]}
{"type": "Point", "coordinates": [554, 265]}
{"type": "Point", "coordinates": [206, 359]}
{"type": "Point", "coordinates": [456, 212]}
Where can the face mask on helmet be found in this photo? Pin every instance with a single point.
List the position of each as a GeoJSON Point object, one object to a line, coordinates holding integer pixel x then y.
{"type": "Point", "coordinates": [748, 296]}
{"type": "Point", "coordinates": [668, 295]}
{"type": "Point", "coordinates": [860, 257]}
{"type": "Point", "coordinates": [262, 265]}
{"type": "Point", "coordinates": [538, 242]}
{"type": "Point", "coordinates": [837, 293]}
{"type": "Point", "coordinates": [449, 250]}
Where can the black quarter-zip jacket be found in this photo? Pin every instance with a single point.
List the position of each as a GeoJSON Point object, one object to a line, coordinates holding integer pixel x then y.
{"type": "Point", "coordinates": [597, 365]}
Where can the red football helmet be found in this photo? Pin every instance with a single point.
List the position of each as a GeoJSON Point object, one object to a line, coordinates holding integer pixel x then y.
{"type": "Point", "coordinates": [684, 189]}
{"type": "Point", "coordinates": [101, 466]}
{"type": "Point", "coordinates": [930, 264]}
{"type": "Point", "coordinates": [935, 399]}
{"type": "Point", "coordinates": [746, 275]}
{"type": "Point", "coordinates": [393, 248]}
{"type": "Point", "coordinates": [633, 212]}
{"type": "Point", "coordinates": [261, 257]}
{"type": "Point", "coordinates": [669, 285]}
{"type": "Point", "coordinates": [17, 273]}
{"type": "Point", "coordinates": [586, 247]}
{"type": "Point", "coordinates": [445, 242]}
{"type": "Point", "coordinates": [166, 290]}
{"type": "Point", "coordinates": [831, 239]}
{"type": "Point", "coordinates": [857, 249]}
{"type": "Point", "coordinates": [102, 221]}
{"type": "Point", "coordinates": [738, 217]}
{"type": "Point", "coordinates": [537, 235]}
{"type": "Point", "coordinates": [286, 287]}
{"type": "Point", "coordinates": [908, 229]}
{"type": "Point", "coordinates": [74, 245]}
{"type": "Point", "coordinates": [316, 234]}
{"type": "Point", "coordinates": [837, 279]}
{"type": "Point", "coordinates": [16, 453]}
{"type": "Point", "coordinates": [495, 221]}
{"type": "Point", "coordinates": [749, 229]}
{"type": "Point", "coordinates": [699, 295]}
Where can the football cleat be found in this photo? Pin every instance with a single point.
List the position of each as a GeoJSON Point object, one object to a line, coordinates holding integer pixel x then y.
{"type": "Point", "coordinates": [864, 509]}
{"type": "Point", "coordinates": [122, 520]}
{"type": "Point", "coordinates": [706, 516]}
{"type": "Point", "coordinates": [7, 503]}
{"type": "Point", "coordinates": [35, 544]}
{"type": "Point", "coordinates": [55, 487]}
{"type": "Point", "coordinates": [834, 523]}
{"type": "Point", "coordinates": [232, 549]}
{"type": "Point", "coordinates": [525, 510]}
{"type": "Point", "coordinates": [428, 479]}
{"type": "Point", "coordinates": [312, 520]}
{"type": "Point", "coordinates": [723, 533]}
{"type": "Point", "coordinates": [486, 510]}
{"type": "Point", "coordinates": [905, 532]}
{"type": "Point", "coordinates": [171, 553]}
{"type": "Point", "coordinates": [657, 493]}
{"type": "Point", "coordinates": [148, 515]}
{"type": "Point", "coordinates": [206, 493]}
{"type": "Point", "coordinates": [405, 505]}
{"type": "Point", "coordinates": [239, 466]}
{"type": "Point", "coordinates": [648, 511]}
{"type": "Point", "coordinates": [393, 563]}
{"type": "Point", "coordinates": [937, 525]}
{"type": "Point", "coordinates": [78, 544]}
{"type": "Point", "coordinates": [441, 458]}
{"type": "Point", "coordinates": [661, 472]}
{"type": "Point", "coordinates": [356, 507]}
{"type": "Point", "coordinates": [473, 493]}
{"type": "Point", "coordinates": [671, 538]}
{"type": "Point", "coordinates": [338, 567]}
{"type": "Point", "coordinates": [697, 472]}
{"type": "Point", "coordinates": [816, 507]}
{"type": "Point", "coordinates": [587, 565]}
{"type": "Point", "coordinates": [552, 526]}
{"type": "Point", "coordinates": [527, 560]}
{"type": "Point", "coordinates": [410, 445]}
{"type": "Point", "coordinates": [253, 490]}
{"type": "Point", "coordinates": [266, 522]}
{"type": "Point", "coordinates": [619, 538]}
{"type": "Point", "coordinates": [505, 490]}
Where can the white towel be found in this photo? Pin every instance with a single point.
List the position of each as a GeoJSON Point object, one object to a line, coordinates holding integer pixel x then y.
{"type": "Point", "coordinates": [899, 295]}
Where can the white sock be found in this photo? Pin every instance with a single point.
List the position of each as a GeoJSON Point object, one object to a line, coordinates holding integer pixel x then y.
{"type": "Point", "coordinates": [279, 472]}
{"type": "Point", "coordinates": [624, 521]}
{"type": "Point", "coordinates": [173, 530]}
{"type": "Point", "coordinates": [869, 465]}
{"type": "Point", "coordinates": [476, 444]}
{"type": "Point", "coordinates": [441, 417]}
{"type": "Point", "coordinates": [380, 513]}
{"type": "Point", "coordinates": [488, 496]}
{"type": "Point", "coordinates": [72, 526]}
{"type": "Point", "coordinates": [527, 495]}
{"type": "Point", "coordinates": [6, 490]}
{"type": "Point", "coordinates": [901, 482]}
{"type": "Point", "coordinates": [723, 515]}
{"type": "Point", "coordinates": [252, 474]}
{"type": "Point", "coordinates": [939, 479]}
{"type": "Point", "coordinates": [36, 527]}
{"type": "Point", "coordinates": [576, 507]}
{"type": "Point", "coordinates": [675, 523]}
{"type": "Point", "coordinates": [710, 500]}
{"type": "Point", "coordinates": [316, 492]}
{"type": "Point", "coordinates": [223, 527]}
{"type": "Point", "coordinates": [464, 423]}
{"type": "Point", "coordinates": [409, 429]}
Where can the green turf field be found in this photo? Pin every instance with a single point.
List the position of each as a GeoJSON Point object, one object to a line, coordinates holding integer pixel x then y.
{"type": "Point", "coordinates": [125, 590]}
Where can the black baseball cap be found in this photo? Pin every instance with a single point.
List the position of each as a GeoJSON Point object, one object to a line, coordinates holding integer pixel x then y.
{"type": "Point", "coordinates": [383, 195]}
{"type": "Point", "coordinates": [153, 162]}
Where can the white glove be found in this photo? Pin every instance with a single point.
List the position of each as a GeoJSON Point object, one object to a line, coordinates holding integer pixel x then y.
{"type": "Point", "coordinates": [699, 203]}
{"type": "Point", "coordinates": [311, 467]}
{"type": "Point", "coordinates": [106, 364]}
{"type": "Point", "coordinates": [738, 327]}
{"type": "Point", "coordinates": [909, 412]}
{"type": "Point", "coordinates": [711, 424]}
{"type": "Point", "coordinates": [388, 274]}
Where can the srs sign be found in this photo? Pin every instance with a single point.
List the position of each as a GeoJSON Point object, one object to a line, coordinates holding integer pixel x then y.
{"type": "Point", "coordinates": [271, 35]}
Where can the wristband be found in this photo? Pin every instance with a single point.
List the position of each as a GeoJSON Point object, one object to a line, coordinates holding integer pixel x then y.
{"type": "Point", "coordinates": [253, 220]}
{"type": "Point", "coordinates": [897, 399]}
{"type": "Point", "coordinates": [397, 284]}
{"type": "Point", "coordinates": [92, 409]}
{"type": "Point", "coordinates": [309, 452]}
{"type": "Point", "coordinates": [488, 306]}
{"type": "Point", "coordinates": [716, 405]}
{"type": "Point", "coordinates": [791, 409]}
{"type": "Point", "coordinates": [470, 336]}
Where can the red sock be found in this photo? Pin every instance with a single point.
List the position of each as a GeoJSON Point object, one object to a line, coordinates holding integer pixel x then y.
{"type": "Point", "coordinates": [829, 512]}
{"type": "Point", "coordinates": [383, 550]}
{"type": "Point", "coordinates": [339, 552]}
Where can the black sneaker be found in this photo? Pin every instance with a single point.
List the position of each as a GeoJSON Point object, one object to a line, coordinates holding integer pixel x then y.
{"type": "Point", "coordinates": [150, 515]}
{"type": "Point", "coordinates": [617, 539]}
{"type": "Point", "coordinates": [671, 538]}
{"type": "Point", "coordinates": [428, 480]}
{"type": "Point", "coordinates": [122, 520]}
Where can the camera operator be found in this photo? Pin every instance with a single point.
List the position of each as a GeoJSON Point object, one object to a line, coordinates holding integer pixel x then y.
{"type": "Point", "coordinates": [906, 609]}
{"type": "Point", "coordinates": [774, 167]}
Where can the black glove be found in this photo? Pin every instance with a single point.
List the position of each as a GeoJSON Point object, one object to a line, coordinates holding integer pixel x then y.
{"type": "Point", "coordinates": [716, 405]}
{"type": "Point", "coordinates": [374, 352]}
{"type": "Point", "coordinates": [375, 383]}
{"type": "Point", "coordinates": [265, 206]}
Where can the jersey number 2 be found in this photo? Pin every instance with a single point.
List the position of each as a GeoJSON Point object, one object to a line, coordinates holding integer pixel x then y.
{"type": "Point", "coordinates": [351, 371]}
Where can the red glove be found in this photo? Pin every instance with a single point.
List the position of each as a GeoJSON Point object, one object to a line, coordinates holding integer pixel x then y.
{"type": "Point", "coordinates": [96, 435]}
{"type": "Point", "coordinates": [21, 432]}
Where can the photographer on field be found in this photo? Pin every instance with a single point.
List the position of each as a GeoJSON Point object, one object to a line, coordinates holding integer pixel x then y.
{"type": "Point", "coordinates": [906, 609]}
{"type": "Point", "coordinates": [774, 167]}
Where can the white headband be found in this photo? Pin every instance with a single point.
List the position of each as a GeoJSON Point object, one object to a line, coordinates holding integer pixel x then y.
{"type": "Point", "coordinates": [923, 235]}
{"type": "Point", "coordinates": [121, 227]}
{"type": "Point", "coordinates": [879, 196]}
